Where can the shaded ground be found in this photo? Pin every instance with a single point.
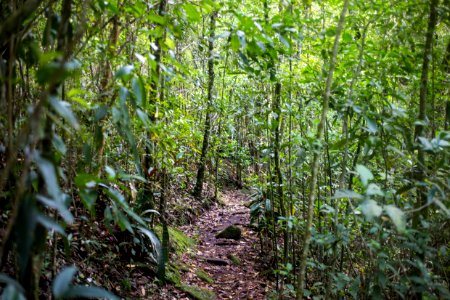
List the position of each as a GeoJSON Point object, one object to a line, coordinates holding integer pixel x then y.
{"type": "Point", "coordinates": [232, 267]}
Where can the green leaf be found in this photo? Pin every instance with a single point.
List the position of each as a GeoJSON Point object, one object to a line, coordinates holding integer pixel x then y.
{"type": "Point", "coordinates": [11, 282]}
{"type": "Point", "coordinates": [140, 57]}
{"type": "Point", "coordinates": [364, 174]}
{"type": "Point", "coordinates": [88, 197]}
{"type": "Point", "coordinates": [372, 125]}
{"type": "Point", "coordinates": [241, 36]}
{"type": "Point", "coordinates": [119, 199]}
{"type": "Point", "coordinates": [50, 224]}
{"type": "Point", "coordinates": [347, 37]}
{"type": "Point", "coordinates": [59, 206]}
{"type": "Point", "coordinates": [59, 145]}
{"type": "Point", "coordinates": [62, 282]}
{"type": "Point", "coordinates": [156, 18]}
{"type": "Point", "coordinates": [83, 180]}
{"type": "Point", "coordinates": [346, 194]}
{"type": "Point", "coordinates": [124, 72]}
{"type": "Point", "coordinates": [331, 32]}
{"type": "Point", "coordinates": [62, 108]}
{"type": "Point", "coordinates": [144, 118]}
{"type": "Point", "coordinates": [111, 172]}
{"type": "Point", "coordinates": [370, 209]}
{"type": "Point", "coordinates": [137, 85]}
{"type": "Point", "coordinates": [100, 113]}
{"type": "Point", "coordinates": [156, 244]}
{"type": "Point", "coordinates": [90, 292]}
{"type": "Point", "coordinates": [192, 12]}
{"type": "Point", "coordinates": [48, 173]}
{"type": "Point", "coordinates": [10, 292]}
{"type": "Point", "coordinates": [397, 216]}
{"type": "Point", "coordinates": [427, 146]}
{"type": "Point", "coordinates": [374, 189]}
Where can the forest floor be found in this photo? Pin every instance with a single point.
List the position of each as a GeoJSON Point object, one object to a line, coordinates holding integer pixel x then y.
{"type": "Point", "coordinates": [231, 269]}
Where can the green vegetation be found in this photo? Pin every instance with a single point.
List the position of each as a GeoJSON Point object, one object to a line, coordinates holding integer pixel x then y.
{"type": "Point", "coordinates": [204, 276]}
{"type": "Point", "coordinates": [234, 259]}
{"type": "Point", "coordinates": [198, 293]}
{"type": "Point", "coordinates": [124, 119]}
{"type": "Point", "coordinates": [179, 242]}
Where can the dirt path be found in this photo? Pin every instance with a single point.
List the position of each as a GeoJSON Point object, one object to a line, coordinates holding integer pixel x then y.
{"type": "Point", "coordinates": [231, 278]}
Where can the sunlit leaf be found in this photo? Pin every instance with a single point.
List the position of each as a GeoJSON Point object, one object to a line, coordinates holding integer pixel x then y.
{"type": "Point", "coordinates": [59, 206]}
{"type": "Point", "coordinates": [364, 174]}
{"type": "Point", "coordinates": [346, 194]}
{"type": "Point", "coordinates": [140, 57]}
{"type": "Point", "coordinates": [137, 85]}
{"type": "Point", "coordinates": [62, 108]}
{"type": "Point", "coordinates": [62, 281]}
{"type": "Point", "coordinates": [374, 189]}
{"type": "Point", "coordinates": [397, 216]}
{"type": "Point", "coordinates": [59, 145]}
{"type": "Point", "coordinates": [124, 72]}
{"type": "Point", "coordinates": [48, 173]}
{"type": "Point", "coordinates": [192, 12]}
{"type": "Point", "coordinates": [426, 144]}
{"type": "Point", "coordinates": [372, 125]}
{"type": "Point", "coordinates": [370, 209]}
{"type": "Point", "coordinates": [111, 172]}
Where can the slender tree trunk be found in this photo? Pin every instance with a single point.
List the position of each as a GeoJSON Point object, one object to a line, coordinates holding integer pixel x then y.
{"type": "Point", "coordinates": [315, 163]}
{"type": "Point", "coordinates": [345, 157]}
{"type": "Point", "coordinates": [419, 130]}
{"type": "Point", "coordinates": [446, 67]}
{"type": "Point", "coordinates": [148, 161]}
{"type": "Point", "coordinates": [202, 163]}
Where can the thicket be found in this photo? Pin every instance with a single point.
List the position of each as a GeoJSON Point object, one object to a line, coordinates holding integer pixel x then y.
{"type": "Point", "coordinates": [336, 113]}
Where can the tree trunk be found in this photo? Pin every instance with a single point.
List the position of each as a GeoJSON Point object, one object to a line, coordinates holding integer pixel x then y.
{"type": "Point", "coordinates": [419, 130]}
{"type": "Point", "coordinates": [315, 163]}
{"type": "Point", "coordinates": [207, 130]}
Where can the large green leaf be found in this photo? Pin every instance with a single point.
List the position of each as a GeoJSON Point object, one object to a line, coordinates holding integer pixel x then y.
{"type": "Point", "coordinates": [62, 287]}
{"type": "Point", "coordinates": [192, 12]}
{"type": "Point", "coordinates": [59, 206]}
{"type": "Point", "coordinates": [63, 281]}
{"type": "Point", "coordinates": [90, 292]}
{"type": "Point", "coordinates": [373, 190]}
{"type": "Point", "coordinates": [124, 72]}
{"type": "Point", "coordinates": [346, 194]}
{"type": "Point", "coordinates": [370, 209]}
{"type": "Point", "coordinates": [137, 84]}
{"type": "Point", "coordinates": [397, 216]}
{"type": "Point", "coordinates": [62, 108]}
{"type": "Point", "coordinates": [364, 174]}
{"type": "Point", "coordinates": [17, 288]}
{"type": "Point", "coordinates": [50, 224]}
{"type": "Point", "coordinates": [156, 244]}
{"type": "Point", "coordinates": [48, 172]}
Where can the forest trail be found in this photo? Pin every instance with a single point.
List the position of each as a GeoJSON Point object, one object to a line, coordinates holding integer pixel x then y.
{"type": "Point", "coordinates": [233, 265]}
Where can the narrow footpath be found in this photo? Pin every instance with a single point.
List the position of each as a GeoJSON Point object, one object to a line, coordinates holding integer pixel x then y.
{"type": "Point", "coordinates": [232, 266]}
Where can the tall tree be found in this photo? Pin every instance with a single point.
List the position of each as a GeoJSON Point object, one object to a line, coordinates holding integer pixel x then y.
{"type": "Point", "coordinates": [316, 155]}
{"type": "Point", "coordinates": [422, 118]}
{"type": "Point", "coordinates": [210, 98]}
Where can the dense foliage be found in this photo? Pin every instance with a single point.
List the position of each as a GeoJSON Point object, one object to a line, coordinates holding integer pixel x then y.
{"type": "Point", "coordinates": [336, 114]}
